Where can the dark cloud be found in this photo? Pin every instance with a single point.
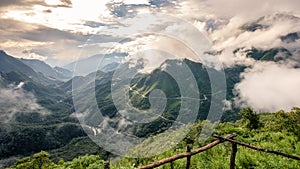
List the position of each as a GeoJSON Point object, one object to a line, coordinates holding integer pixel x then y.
{"type": "Point", "coordinates": [122, 10]}
{"type": "Point", "coordinates": [10, 24]}
{"type": "Point", "coordinates": [4, 3]}
{"type": "Point", "coordinates": [93, 24]}
{"type": "Point", "coordinates": [22, 39]}
{"type": "Point", "coordinates": [47, 11]}
{"type": "Point", "coordinates": [126, 40]}
{"type": "Point", "coordinates": [13, 30]}
{"type": "Point", "coordinates": [161, 3]}
{"type": "Point", "coordinates": [67, 2]}
{"type": "Point", "coordinates": [17, 30]}
{"type": "Point", "coordinates": [102, 38]}
{"type": "Point", "coordinates": [30, 3]}
{"type": "Point", "coordinates": [64, 4]}
{"type": "Point", "coordinates": [44, 34]}
{"type": "Point", "coordinates": [23, 3]}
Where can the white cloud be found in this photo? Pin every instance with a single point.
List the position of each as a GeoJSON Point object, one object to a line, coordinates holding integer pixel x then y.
{"type": "Point", "coordinates": [71, 19]}
{"type": "Point", "coordinates": [33, 55]}
{"type": "Point", "coordinates": [14, 100]}
{"type": "Point", "coordinates": [193, 9]}
{"type": "Point", "coordinates": [232, 35]}
{"type": "Point", "coordinates": [53, 2]}
{"type": "Point", "coordinates": [270, 87]}
{"type": "Point", "coordinates": [139, 2]}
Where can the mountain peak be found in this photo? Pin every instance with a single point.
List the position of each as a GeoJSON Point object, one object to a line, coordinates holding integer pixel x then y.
{"type": "Point", "coordinates": [11, 64]}
{"type": "Point", "coordinates": [266, 21]}
{"type": "Point", "coordinates": [2, 52]}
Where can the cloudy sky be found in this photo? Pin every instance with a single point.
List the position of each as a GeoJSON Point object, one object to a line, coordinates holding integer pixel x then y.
{"type": "Point", "coordinates": [57, 30]}
{"type": "Point", "coordinates": [61, 31]}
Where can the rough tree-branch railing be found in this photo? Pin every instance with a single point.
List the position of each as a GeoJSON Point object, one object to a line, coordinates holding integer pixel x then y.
{"type": "Point", "coordinates": [257, 148]}
{"type": "Point", "coordinates": [229, 138]}
{"type": "Point", "coordinates": [187, 154]}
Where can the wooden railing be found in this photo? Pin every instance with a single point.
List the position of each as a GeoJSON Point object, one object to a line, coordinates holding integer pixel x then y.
{"type": "Point", "coordinates": [187, 154]}
{"type": "Point", "coordinates": [229, 138]}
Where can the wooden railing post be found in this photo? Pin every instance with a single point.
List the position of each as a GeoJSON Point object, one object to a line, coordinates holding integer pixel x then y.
{"type": "Point", "coordinates": [233, 155]}
{"type": "Point", "coordinates": [188, 158]}
{"type": "Point", "coordinates": [229, 138]}
{"type": "Point", "coordinates": [171, 165]}
{"type": "Point", "coordinates": [106, 165]}
{"type": "Point", "coordinates": [185, 155]}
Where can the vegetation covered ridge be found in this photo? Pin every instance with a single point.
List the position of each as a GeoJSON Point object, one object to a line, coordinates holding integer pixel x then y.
{"type": "Point", "coordinates": [279, 131]}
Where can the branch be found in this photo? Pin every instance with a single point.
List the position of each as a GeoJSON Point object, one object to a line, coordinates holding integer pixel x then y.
{"type": "Point", "coordinates": [187, 154]}
{"type": "Point", "coordinates": [257, 148]}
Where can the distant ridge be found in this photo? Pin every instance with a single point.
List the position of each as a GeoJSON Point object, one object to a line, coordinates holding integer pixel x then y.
{"type": "Point", "coordinates": [10, 64]}
{"type": "Point", "coordinates": [42, 67]}
{"type": "Point", "coordinates": [100, 62]}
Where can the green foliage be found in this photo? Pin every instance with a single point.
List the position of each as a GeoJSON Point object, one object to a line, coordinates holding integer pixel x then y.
{"type": "Point", "coordinates": [32, 133]}
{"type": "Point", "coordinates": [78, 147]}
{"type": "Point", "coordinates": [23, 163]}
{"type": "Point", "coordinates": [38, 161]}
{"type": "Point", "coordinates": [42, 161]}
{"type": "Point", "coordinates": [251, 118]}
{"type": "Point", "coordinates": [274, 134]}
{"type": "Point", "coordinates": [84, 162]}
{"type": "Point", "coordinates": [288, 121]}
{"type": "Point", "coordinates": [194, 133]}
{"type": "Point", "coordinates": [20, 139]}
{"type": "Point", "coordinates": [267, 55]}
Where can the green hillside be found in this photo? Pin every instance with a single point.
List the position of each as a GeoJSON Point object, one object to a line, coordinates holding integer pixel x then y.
{"type": "Point", "coordinates": [273, 133]}
{"type": "Point", "coordinates": [59, 132]}
{"type": "Point", "coordinates": [269, 55]}
{"type": "Point", "coordinates": [29, 132]}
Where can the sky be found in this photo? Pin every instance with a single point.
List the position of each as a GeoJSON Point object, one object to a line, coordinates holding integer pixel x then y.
{"type": "Point", "coordinates": [61, 31]}
{"type": "Point", "coordinates": [57, 31]}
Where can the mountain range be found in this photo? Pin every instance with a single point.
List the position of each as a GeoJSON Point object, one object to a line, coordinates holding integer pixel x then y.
{"type": "Point", "coordinates": [41, 67]}
{"type": "Point", "coordinates": [52, 89]}
{"type": "Point", "coordinates": [9, 64]}
{"type": "Point", "coordinates": [93, 63]}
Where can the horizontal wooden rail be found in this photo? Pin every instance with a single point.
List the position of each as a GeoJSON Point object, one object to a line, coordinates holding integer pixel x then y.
{"type": "Point", "coordinates": [257, 148]}
{"type": "Point", "coordinates": [186, 154]}
{"type": "Point", "coordinates": [229, 138]}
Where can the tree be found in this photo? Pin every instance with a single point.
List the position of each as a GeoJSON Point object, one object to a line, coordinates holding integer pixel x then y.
{"type": "Point", "coordinates": [85, 162]}
{"type": "Point", "coordinates": [288, 121]}
{"type": "Point", "coordinates": [23, 163]}
{"type": "Point", "coordinates": [251, 118]}
{"type": "Point", "coordinates": [39, 161]}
